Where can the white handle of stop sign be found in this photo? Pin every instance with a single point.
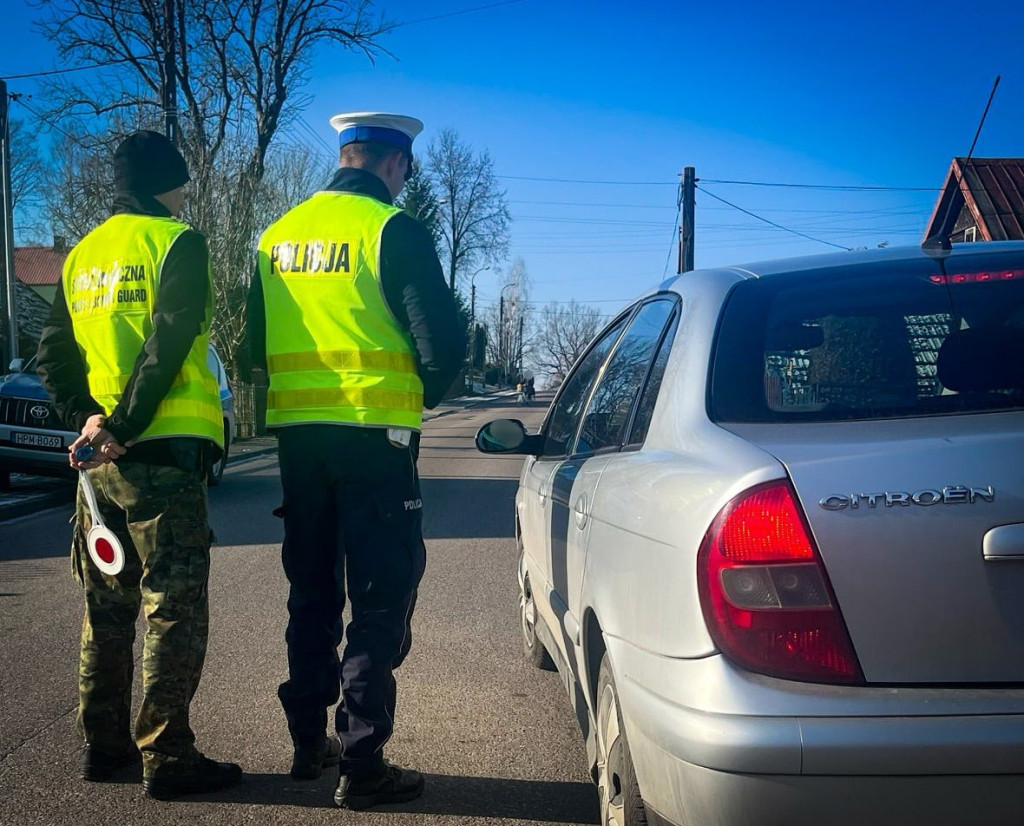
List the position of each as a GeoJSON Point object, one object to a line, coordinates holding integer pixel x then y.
{"type": "Point", "coordinates": [104, 548]}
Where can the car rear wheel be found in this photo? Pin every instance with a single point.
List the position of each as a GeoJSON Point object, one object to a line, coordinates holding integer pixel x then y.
{"type": "Point", "coordinates": [618, 791]}
{"type": "Point", "coordinates": [216, 472]}
{"type": "Point", "coordinates": [536, 653]}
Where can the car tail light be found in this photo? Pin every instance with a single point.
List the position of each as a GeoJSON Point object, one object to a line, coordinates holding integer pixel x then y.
{"type": "Point", "coordinates": [766, 597]}
{"type": "Point", "coordinates": [977, 277]}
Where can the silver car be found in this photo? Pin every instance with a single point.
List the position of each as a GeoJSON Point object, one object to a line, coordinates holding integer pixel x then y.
{"type": "Point", "coordinates": [772, 535]}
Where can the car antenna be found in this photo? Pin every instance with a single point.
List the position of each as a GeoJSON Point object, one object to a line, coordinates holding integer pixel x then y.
{"type": "Point", "coordinates": [940, 244]}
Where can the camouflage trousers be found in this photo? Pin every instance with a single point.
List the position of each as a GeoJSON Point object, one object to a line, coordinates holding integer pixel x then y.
{"type": "Point", "coordinates": [159, 515]}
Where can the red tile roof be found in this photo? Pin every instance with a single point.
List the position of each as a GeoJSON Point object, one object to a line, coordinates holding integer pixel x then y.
{"type": "Point", "coordinates": [38, 265]}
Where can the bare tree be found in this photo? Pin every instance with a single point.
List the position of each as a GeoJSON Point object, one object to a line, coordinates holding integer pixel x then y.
{"type": "Point", "coordinates": [474, 217]}
{"type": "Point", "coordinates": [27, 181]}
{"type": "Point", "coordinates": [487, 317]}
{"type": "Point", "coordinates": [79, 198]}
{"type": "Point", "coordinates": [516, 318]}
{"type": "Point", "coordinates": [27, 170]}
{"type": "Point", "coordinates": [239, 63]}
{"type": "Point", "coordinates": [293, 173]}
{"type": "Point", "coordinates": [239, 68]}
{"type": "Point", "coordinates": [565, 331]}
{"type": "Point", "coordinates": [78, 188]}
{"type": "Point", "coordinates": [508, 322]}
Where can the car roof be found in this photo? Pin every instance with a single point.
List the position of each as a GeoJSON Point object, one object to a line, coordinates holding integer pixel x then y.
{"type": "Point", "coordinates": [961, 255]}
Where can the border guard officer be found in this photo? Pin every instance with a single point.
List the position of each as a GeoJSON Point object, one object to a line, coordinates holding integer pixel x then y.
{"type": "Point", "coordinates": [123, 355]}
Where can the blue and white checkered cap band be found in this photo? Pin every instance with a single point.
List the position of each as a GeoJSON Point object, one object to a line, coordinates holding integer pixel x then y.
{"type": "Point", "coordinates": [361, 134]}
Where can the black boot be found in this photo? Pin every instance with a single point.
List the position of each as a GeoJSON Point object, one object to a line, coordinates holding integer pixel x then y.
{"type": "Point", "coordinates": [205, 775]}
{"type": "Point", "coordinates": [98, 766]}
{"type": "Point", "coordinates": [390, 785]}
{"type": "Point", "coordinates": [310, 761]}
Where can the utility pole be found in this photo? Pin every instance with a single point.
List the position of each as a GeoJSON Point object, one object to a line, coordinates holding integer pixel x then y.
{"type": "Point", "coordinates": [454, 260]}
{"type": "Point", "coordinates": [519, 351]}
{"type": "Point", "coordinates": [10, 303]}
{"type": "Point", "coordinates": [501, 336]}
{"type": "Point", "coordinates": [472, 332]}
{"type": "Point", "coordinates": [170, 90]}
{"type": "Point", "coordinates": [686, 203]}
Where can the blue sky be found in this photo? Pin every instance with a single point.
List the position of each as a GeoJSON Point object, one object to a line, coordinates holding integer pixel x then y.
{"type": "Point", "coordinates": [591, 109]}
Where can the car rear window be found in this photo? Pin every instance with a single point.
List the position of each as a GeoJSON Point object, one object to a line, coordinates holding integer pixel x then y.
{"type": "Point", "coordinates": [879, 342]}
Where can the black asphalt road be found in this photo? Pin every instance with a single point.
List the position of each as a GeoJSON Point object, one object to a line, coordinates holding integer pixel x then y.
{"type": "Point", "coordinates": [496, 739]}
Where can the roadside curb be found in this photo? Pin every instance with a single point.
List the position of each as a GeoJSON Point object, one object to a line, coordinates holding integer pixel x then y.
{"type": "Point", "coordinates": [34, 503]}
{"type": "Point", "coordinates": [249, 455]}
{"type": "Point", "coordinates": [469, 401]}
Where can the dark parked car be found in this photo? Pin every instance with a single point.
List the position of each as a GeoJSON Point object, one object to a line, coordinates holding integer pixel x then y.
{"type": "Point", "coordinates": [34, 440]}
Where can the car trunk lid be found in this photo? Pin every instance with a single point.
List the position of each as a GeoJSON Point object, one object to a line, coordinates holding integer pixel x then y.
{"type": "Point", "coordinates": [920, 525]}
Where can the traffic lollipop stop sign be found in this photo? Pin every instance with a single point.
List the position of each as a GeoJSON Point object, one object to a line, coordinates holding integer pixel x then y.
{"type": "Point", "coordinates": [104, 548]}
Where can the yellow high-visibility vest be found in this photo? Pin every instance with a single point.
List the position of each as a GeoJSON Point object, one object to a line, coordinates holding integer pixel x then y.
{"type": "Point", "coordinates": [335, 353]}
{"type": "Point", "coordinates": [111, 280]}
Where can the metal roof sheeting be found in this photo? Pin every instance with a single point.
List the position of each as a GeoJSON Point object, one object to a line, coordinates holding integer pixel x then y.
{"type": "Point", "coordinates": [38, 266]}
{"type": "Point", "coordinates": [992, 189]}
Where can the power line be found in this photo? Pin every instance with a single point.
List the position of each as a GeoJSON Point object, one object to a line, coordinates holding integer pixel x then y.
{"type": "Point", "coordinates": [457, 13]}
{"type": "Point", "coordinates": [595, 204]}
{"type": "Point", "coordinates": [128, 59]}
{"type": "Point", "coordinates": [672, 246]}
{"type": "Point", "coordinates": [827, 229]}
{"type": "Point", "coordinates": [20, 99]}
{"type": "Point", "coordinates": [73, 69]}
{"type": "Point", "coordinates": [772, 223]}
{"type": "Point", "coordinates": [673, 207]}
{"type": "Point", "coordinates": [830, 187]}
{"type": "Point", "coordinates": [589, 249]}
{"type": "Point", "coordinates": [316, 135]}
{"type": "Point", "coordinates": [578, 181]}
{"type": "Point", "coordinates": [301, 140]}
{"type": "Point", "coordinates": [544, 219]}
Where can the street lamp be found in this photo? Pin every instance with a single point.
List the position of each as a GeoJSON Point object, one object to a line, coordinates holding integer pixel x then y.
{"type": "Point", "coordinates": [472, 288]}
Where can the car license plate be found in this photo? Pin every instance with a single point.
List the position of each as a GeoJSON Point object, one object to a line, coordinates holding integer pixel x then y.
{"type": "Point", "coordinates": [37, 440]}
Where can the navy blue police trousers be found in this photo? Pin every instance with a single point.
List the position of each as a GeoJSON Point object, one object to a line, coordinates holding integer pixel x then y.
{"type": "Point", "coordinates": [353, 526]}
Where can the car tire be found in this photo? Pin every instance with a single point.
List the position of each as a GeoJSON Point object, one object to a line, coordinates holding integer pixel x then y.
{"type": "Point", "coordinates": [617, 787]}
{"type": "Point", "coordinates": [216, 472]}
{"type": "Point", "coordinates": [5, 479]}
{"type": "Point", "coordinates": [536, 654]}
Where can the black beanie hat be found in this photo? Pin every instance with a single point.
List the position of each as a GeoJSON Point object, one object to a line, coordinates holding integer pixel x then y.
{"type": "Point", "coordinates": [147, 163]}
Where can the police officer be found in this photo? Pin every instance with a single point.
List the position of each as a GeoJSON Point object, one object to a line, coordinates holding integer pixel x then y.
{"type": "Point", "coordinates": [358, 331]}
{"type": "Point", "coordinates": [123, 355]}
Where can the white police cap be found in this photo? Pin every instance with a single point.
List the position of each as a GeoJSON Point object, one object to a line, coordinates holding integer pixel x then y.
{"type": "Point", "coordinates": [358, 127]}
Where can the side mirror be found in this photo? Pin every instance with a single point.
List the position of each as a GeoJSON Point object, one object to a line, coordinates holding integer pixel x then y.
{"type": "Point", "coordinates": [507, 436]}
{"type": "Point", "coordinates": [17, 365]}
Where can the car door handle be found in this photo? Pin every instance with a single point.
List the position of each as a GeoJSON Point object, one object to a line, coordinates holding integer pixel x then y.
{"type": "Point", "coordinates": [581, 510]}
{"type": "Point", "coordinates": [1005, 542]}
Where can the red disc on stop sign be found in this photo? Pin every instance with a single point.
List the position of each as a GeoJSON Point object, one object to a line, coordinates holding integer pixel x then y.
{"type": "Point", "coordinates": [105, 551]}
{"type": "Point", "coordinates": [104, 548]}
